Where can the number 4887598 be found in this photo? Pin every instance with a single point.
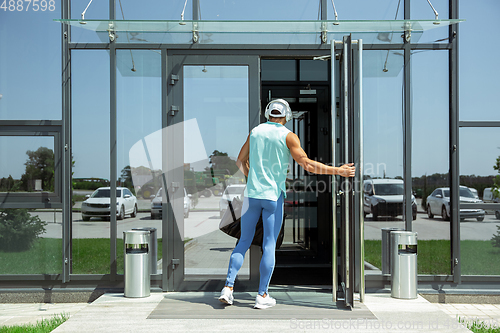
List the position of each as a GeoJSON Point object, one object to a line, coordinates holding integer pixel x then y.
{"type": "Point", "coordinates": [28, 5]}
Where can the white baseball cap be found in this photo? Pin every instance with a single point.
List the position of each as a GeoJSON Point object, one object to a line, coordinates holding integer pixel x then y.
{"type": "Point", "coordinates": [278, 107]}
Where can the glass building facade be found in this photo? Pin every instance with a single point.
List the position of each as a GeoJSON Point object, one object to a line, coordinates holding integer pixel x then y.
{"type": "Point", "coordinates": [137, 96]}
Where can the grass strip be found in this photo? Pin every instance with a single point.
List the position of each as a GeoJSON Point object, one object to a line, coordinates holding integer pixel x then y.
{"type": "Point", "coordinates": [44, 257]}
{"type": "Point", "coordinates": [90, 256]}
{"type": "Point", "coordinates": [479, 326]}
{"type": "Point", "coordinates": [41, 326]}
{"type": "Point", "coordinates": [433, 255]}
{"type": "Point", "coordinates": [479, 258]}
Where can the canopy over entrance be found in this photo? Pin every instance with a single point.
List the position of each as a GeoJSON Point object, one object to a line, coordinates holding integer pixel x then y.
{"type": "Point", "coordinates": [261, 32]}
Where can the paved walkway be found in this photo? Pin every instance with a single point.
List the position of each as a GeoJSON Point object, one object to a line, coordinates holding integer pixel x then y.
{"type": "Point", "coordinates": [379, 313]}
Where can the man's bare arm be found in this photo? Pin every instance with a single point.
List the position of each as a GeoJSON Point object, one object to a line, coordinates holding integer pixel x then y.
{"type": "Point", "coordinates": [242, 161]}
{"type": "Point", "coordinates": [300, 156]}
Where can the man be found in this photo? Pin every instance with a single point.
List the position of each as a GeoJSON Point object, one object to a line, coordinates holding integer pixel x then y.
{"type": "Point", "coordinates": [264, 159]}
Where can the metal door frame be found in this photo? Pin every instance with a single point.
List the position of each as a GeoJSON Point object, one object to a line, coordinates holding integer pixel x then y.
{"type": "Point", "coordinates": [173, 277]}
{"type": "Point", "coordinates": [347, 90]}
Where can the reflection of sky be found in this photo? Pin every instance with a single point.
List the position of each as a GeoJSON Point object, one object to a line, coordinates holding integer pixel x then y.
{"type": "Point", "coordinates": [30, 85]}
{"type": "Point", "coordinates": [14, 164]}
{"type": "Point", "coordinates": [148, 152]}
{"type": "Point", "coordinates": [218, 99]}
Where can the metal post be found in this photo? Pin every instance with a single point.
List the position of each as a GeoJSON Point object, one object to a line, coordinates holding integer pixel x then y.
{"type": "Point", "coordinates": [112, 147]}
{"type": "Point", "coordinates": [333, 107]}
{"type": "Point", "coordinates": [407, 143]}
{"type": "Point", "coordinates": [454, 141]}
{"type": "Point", "coordinates": [196, 11]}
{"type": "Point", "coordinates": [66, 140]}
{"type": "Point", "coordinates": [167, 216]}
{"type": "Point", "coordinates": [324, 10]}
{"type": "Point", "coordinates": [360, 174]}
{"type": "Point", "coordinates": [347, 243]}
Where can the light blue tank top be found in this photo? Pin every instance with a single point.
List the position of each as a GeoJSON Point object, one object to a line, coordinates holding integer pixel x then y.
{"type": "Point", "coordinates": [269, 161]}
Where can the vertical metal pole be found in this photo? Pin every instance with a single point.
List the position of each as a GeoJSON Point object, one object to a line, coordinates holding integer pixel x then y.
{"type": "Point", "coordinates": [66, 140]}
{"type": "Point", "coordinates": [112, 148]}
{"type": "Point", "coordinates": [324, 10]}
{"type": "Point", "coordinates": [334, 188]}
{"type": "Point", "coordinates": [167, 284]}
{"type": "Point", "coordinates": [347, 192]}
{"type": "Point", "coordinates": [360, 173]}
{"type": "Point", "coordinates": [407, 136]}
{"type": "Point", "coordinates": [196, 10]}
{"type": "Point", "coordinates": [454, 142]}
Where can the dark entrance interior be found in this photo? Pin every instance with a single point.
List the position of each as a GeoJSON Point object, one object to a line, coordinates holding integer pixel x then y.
{"type": "Point", "coordinates": [306, 254]}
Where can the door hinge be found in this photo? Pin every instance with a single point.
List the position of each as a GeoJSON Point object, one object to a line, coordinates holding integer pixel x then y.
{"type": "Point", "coordinates": [173, 110]}
{"type": "Point", "coordinates": [173, 78]}
{"type": "Point", "coordinates": [174, 263]}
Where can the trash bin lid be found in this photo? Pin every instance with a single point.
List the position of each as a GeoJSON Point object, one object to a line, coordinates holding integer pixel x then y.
{"type": "Point", "coordinates": [136, 237]}
{"type": "Point", "coordinates": [404, 237]}
{"type": "Point", "coordinates": [150, 229]}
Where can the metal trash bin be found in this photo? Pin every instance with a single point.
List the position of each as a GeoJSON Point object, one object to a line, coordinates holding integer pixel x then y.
{"type": "Point", "coordinates": [386, 250]}
{"type": "Point", "coordinates": [404, 264]}
{"type": "Point", "coordinates": [137, 275]}
{"type": "Point", "coordinates": [153, 248]}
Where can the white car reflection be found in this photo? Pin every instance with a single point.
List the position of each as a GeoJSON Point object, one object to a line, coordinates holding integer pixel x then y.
{"type": "Point", "coordinates": [156, 205]}
{"type": "Point", "coordinates": [438, 203]}
{"type": "Point", "coordinates": [97, 204]}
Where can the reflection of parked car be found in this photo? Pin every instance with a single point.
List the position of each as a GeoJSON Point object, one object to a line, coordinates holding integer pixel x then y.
{"type": "Point", "coordinates": [98, 203]}
{"type": "Point", "coordinates": [488, 195]}
{"type": "Point", "coordinates": [384, 197]}
{"type": "Point", "coordinates": [229, 194]}
{"type": "Point", "coordinates": [438, 203]}
{"type": "Point", "coordinates": [156, 205]}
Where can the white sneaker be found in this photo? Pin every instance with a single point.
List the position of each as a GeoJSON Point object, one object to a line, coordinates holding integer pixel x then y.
{"type": "Point", "coordinates": [226, 296]}
{"type": "Point", "coordinates": [264, 302]}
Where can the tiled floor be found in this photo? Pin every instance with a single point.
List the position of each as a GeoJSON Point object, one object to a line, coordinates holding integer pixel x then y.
{"type": "Point", "coordinates": [487, 313]}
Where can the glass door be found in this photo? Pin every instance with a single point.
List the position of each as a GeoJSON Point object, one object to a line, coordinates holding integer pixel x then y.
{"type": "Point", "coordinates": [212, 104]}
{"type": "Point", "coordinates": [348, 253]}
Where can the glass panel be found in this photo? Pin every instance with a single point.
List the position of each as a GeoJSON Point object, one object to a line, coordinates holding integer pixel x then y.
{"type": "Point", "coordinates": [382, 148]}
{"type": "Point", "coordinates": [313, 70]}
{"type": "Point", "coordinates": [430, 161]}
{"type": "Point", "coordinates": [274, 27]}
{"type": "Point", "coordinates": [30, 241]}
{"type": "Point", "coordinates": [422, 10]}
{"type": "Point", "coordinates": [90, 130]}
{"type": "Point", "coordinates": [301, 203]}
{"type": "Point", "coordinates": [479, 71]}
{"type": "Point", "coordinates": [278, 70]}
{"type": "Point", "coordinates": [30, 82]}
{"type": "Point", "coordinates": [216, 106]}
{"type": "Point", "coordinates": [479, 229]}
{"type": "Point", "coordinates": [94, 10]}
{"type": "Point", "coordinates": [139, 139]}
{"type": "Point", "coordinates": [256, 32]}
{"type": "Point", "coordinates": [26, 164]}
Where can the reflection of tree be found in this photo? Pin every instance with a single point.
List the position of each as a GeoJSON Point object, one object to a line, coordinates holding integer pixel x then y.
{"type": "Point", "coordinates": [496, 182]}
{"type": "Point", "coordinates": [125, 178]}
{"type": "Point", "coordinates": [19, 230]}
{"type": "Point", "coordinates": [40, 165]}
{"type": "Point", "coordinates": [220, 161]}
{"type": "Point", "coordinates": [7, 184]}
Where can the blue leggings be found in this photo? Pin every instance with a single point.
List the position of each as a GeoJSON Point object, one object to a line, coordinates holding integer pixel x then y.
{"type": "Point", "coordinates": [272, 216]}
